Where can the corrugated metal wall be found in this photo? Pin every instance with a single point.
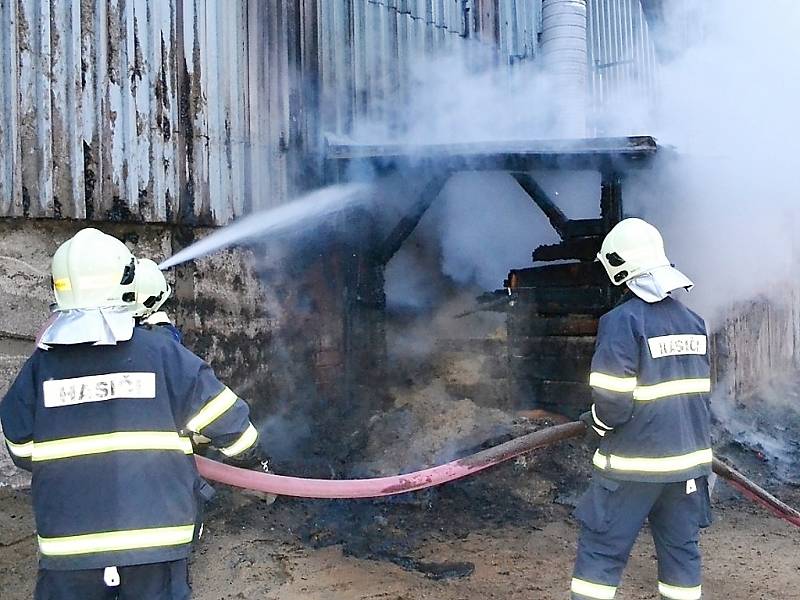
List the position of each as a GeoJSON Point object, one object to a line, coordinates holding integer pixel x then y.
{"type": "Point", "coordinates": [622, 58]}
{"type": "Point", "coordinates": [192, 110]}
{"type": "Point", "coordinates": [197, 111]}
{"type": "Point", "coordinates": [165, 111]}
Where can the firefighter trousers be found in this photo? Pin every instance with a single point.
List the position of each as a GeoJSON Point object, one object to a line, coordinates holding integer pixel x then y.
{"type": "Point", "coordinates": [611, 514]}
{"type": "Point", "coordinates": [157, 581]}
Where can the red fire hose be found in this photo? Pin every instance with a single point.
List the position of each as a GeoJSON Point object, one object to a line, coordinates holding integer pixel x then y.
{"type": "Point", "coordinates": [399, 484]}
{"type": "Point", "coordinates": [385, 486]}
{"type": "Point", "coordinates": [756, 494]}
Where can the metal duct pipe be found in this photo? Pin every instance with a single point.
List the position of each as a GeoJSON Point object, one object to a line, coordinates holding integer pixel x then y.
{"type": "Point", "coordinates": [564, 55]}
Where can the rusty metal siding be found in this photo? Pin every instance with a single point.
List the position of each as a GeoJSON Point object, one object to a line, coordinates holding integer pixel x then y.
{"type": "Point", "coordinates": [168, 111]}
{"type": "Point", "coordinates": [622, 59]}
{"type": "Point", "coordinates": [10, 195]}
{"type": "Point", "coordinates": [520, 26]}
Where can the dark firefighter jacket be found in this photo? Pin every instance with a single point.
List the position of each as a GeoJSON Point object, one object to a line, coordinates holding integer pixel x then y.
{"type": "Point", "coordinates": [105, 431]}
{"type": "Point", "coordinates": [651, 383]}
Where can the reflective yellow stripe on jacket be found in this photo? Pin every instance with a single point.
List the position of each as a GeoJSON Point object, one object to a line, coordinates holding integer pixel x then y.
{"type": "Point", "coordinates": [20, 450]}
{"type": "Point", "coordinates": [592, 590]}
{"type": "Point", "coordinates": [213, 410]}
{"type": "Point", "coordinates": [247, 439]}
{"type": "Point", "coordinates": [110, 442]}
{"type": "Point", "coordinates": [612, 383]}
{"type": "Point", "coordinates": [664, 464]}
{"type": "Point", "coordinates": [645, 393]}
{"type": "Point", "coordinates": [111, 541]}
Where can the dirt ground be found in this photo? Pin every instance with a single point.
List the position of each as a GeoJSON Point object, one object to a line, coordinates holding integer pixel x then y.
{"type": "Point", "coordinates": [251, 550]}
{"type": "Point", "coordinates": [506, 533]}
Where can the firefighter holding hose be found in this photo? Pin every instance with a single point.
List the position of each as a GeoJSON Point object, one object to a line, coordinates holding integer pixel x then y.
{"type": "Point", "coordinates": [102, 414]}
{"type": "Point", "coordinates": [650, 381]}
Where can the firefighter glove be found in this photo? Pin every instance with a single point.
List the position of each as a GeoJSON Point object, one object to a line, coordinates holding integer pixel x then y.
{"type": "Point", "coordinates": [592, 438]}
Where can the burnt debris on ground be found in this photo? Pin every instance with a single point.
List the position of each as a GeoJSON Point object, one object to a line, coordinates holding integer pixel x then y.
{"type": "Point", "coordinates": [760, 433]}
{"type": "Point", "coordinates": [525, 493]}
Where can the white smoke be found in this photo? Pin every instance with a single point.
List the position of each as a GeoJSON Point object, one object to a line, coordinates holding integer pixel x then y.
{"type": "Point", "coordinates": [726, 200]}
{"type": "Point", "coordinates": [487, 224]}
{"type": "Point", "coordinates": [483, 223]}
{"type": "Point", "coordinates": [466, 96]}
{"type": "Point", "coordinates": [728, 203]}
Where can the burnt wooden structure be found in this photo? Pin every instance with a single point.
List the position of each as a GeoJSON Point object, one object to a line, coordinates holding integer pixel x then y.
{"type": "Point", "coordinates": [553, 309]}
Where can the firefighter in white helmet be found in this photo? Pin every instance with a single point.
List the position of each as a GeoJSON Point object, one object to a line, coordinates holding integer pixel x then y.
{"type": "Point", "coordinates": [650, 383]}
{"type": "Point", "coordinates": [152, 291]}
{"type": "Point", "coordinates": [93, 283]}
{"type": "Point", "coordinates": [102, 414]}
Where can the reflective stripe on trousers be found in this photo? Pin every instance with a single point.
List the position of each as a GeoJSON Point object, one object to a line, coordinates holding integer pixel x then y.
{"type": "Point", "coordinates": [611, 514]}
{"type": "Point", "coordinates": [676, 592]}
{"type": "Point", "coordinates": [587, 589]}
{"type": "Point", "coordinates": [162, 580]}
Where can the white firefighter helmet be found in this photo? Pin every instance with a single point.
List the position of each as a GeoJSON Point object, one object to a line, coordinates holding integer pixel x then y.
{"type": "Point", "coordinates": [93, 270]}
{"type": "Point", "coordinates": [631, 248]}
{"type": "Point", "coordinates": [152, 289]}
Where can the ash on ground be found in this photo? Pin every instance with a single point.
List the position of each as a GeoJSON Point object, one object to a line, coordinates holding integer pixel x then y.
{"type": "Point", "coordinates": [760, 433]}
{"type": "Point", "coordinates": [528, 492]}
{"type": "Point", "coordinates": [448, 398]}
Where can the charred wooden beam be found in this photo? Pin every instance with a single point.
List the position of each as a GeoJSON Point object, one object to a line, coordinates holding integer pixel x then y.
{"type": "Point", "coordinates": [554, 214]}
{"type": "Point", "coordinates": [564, 346]}
{"type": "Point", "coordinates": [610, 199]}
{"type": "Point", "coordinates": [641, 147]}
{"type": "Point", "coordinates": [556, 368]}
{"type": "Point", "coordinates": [565, 227]}
{"type": "Point", "coordinates": [585, 300]}
{"type": "Point", "coordinates": [577, 273]}
{"type": "Point", "coordinates": [523, 326]}
{"type": "Point", "coordinates": [575, 228]}
{"type": "Point", "coordinates": [592, 153]}
{"type": "Point", "coordinates": [564, 397]}
{"type": "Point", "coordinates": [571, 249]}
{"type": "Point", "coordinates": [389, 247]}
